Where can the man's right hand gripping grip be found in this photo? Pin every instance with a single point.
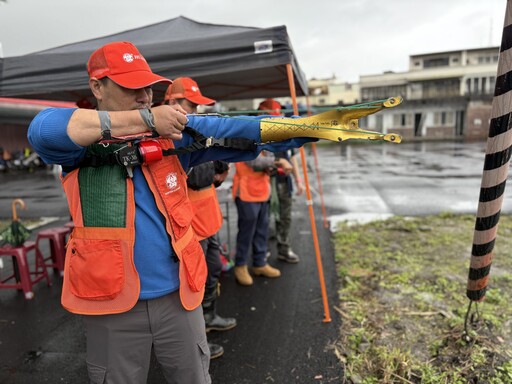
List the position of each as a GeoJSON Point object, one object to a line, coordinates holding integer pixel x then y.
{"type": "Point", "coordinates": [336, 125]}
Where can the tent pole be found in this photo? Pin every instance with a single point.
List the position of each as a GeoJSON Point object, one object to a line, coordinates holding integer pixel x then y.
{"type": "Point", "coordinates": [309, 202]}
{"type": "Point", "coordinates": [317, 170]}
{"type": "Point", "coordinates": [319, 182]}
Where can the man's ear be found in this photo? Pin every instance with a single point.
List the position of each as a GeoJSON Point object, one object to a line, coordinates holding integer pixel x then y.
{"type": "Point", "coordinates": [96, 88]}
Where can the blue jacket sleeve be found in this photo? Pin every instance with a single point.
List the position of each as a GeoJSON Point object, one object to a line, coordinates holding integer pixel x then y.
{"type": "Point", "coordinates": [221, 127]}
{"type": "Point", "coordinates": [240, 126]}
{"type": "Point", "coordinates": [48, 136]}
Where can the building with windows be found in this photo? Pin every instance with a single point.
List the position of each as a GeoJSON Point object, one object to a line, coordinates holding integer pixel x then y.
{"type": "Point", "coordinates": [446, 95]}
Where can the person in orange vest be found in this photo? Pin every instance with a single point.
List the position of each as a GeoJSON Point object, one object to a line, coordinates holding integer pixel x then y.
{"type": "Point", "coordinates": [134, 267]}
{"type": "Point", "coordinates": [202, 181]}
{"type": "Point", "coordinates": [251, 192]}
{"type": "Point", "coordinates": [282, 188]}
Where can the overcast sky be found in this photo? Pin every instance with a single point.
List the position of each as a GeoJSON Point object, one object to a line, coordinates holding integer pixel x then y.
{"type": "Point", "coordinates": [347, 38]}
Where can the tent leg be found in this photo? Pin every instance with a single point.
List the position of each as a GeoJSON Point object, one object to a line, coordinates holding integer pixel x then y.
{"type": "Point", "coordinates": [309, 202]}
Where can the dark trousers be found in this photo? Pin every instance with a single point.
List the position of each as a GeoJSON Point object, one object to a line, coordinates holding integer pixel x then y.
{"type": "Point", "coordinates": [211, 249]}
{"type": "Point", "coordinates": [283, 224]}
{"type": "Point", "coordinates": [253, 220]}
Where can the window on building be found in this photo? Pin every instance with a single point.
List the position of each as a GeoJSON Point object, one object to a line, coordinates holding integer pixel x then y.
{"type": "Point", "coordinates": [436, 62]}
{"type": "Point", "coordinates": [441, 88]}
{"type": "Point", "coordinates": [379, 93]}
{"type": "Point", "coordinates": [468, 86]}
{"type": "Point", "coordinates": [402, 120]}
{"type": "Point", "coordinates": [450, 118]}
{"type": "Point", "coordinates": [444, 118]}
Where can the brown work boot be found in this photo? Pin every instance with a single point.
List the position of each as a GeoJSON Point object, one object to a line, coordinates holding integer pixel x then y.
{"type": "Point", "coordinates": [242, 275]}
{"type": "Point", "coordinates": [267, 271]}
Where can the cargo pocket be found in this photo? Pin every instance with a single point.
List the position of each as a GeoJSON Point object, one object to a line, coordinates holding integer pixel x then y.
{"type": "Point", "coordinates": [96, 373]}
{"type": "Point", "coordinates": [96, 268]}
{"type": "Point", "coordinates": [194, 263]}
{"type": "Point", "coordinates": [205, 359]}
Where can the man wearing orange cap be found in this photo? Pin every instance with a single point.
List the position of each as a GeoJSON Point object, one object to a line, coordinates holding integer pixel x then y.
{"type": "Point", "coordinates": [282, 188]}
{"type": "Point", "coordinates": [134, 267]}
{"type": "Point", "coordinates": [202, 181]}
{"type": "Point", "coordinates": [251, 191]}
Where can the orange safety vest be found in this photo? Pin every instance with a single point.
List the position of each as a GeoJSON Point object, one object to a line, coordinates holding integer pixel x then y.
{"type": "Point", "coordinates": [207, 219]}
{"type": "Point", "coordinates": [249, 185]}
{"type": "Point", "coordinates": [99, 273]}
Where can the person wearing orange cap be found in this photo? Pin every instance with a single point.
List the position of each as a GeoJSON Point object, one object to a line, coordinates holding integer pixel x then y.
{"type": "Point", "coordinates": [251, 192]}
{"type": "Point", "coordinates": [202, 181]}
{"type": "Point", "coordinates": [282, 189]}
{"type": "Point", "coordinates": [134, 267]}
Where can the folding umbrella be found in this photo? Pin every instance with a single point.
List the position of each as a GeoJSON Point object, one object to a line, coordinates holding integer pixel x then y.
{"type": "Point", "coordinates": [16, 233]}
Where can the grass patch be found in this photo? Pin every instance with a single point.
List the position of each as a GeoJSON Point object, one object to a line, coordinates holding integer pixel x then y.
{"type": "Point", "coordinates": [403, 301]}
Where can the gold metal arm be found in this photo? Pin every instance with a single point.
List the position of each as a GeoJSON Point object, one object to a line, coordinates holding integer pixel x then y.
{"type": "Point", "coordinates": [335, 125]}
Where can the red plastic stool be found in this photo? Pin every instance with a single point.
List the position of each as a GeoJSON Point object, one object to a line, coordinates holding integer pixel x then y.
{"type": "Point", "coordinates": [21, 273]}
{"type": "Point", "coordinates": [70, 224]}
{"type": "Point", "coordinates": [57, 239]}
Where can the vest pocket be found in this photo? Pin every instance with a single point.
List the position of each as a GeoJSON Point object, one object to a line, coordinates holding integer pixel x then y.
{"type": "Point", "coordinates": [96, 268]}
{"type": "Point", "coordinates": [194, 263]}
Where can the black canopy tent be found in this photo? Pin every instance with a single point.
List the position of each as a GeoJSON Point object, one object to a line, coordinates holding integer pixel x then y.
{"type": "Point", "coordinates": [228, 62]}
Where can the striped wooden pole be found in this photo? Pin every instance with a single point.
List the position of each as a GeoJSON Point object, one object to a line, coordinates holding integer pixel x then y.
{"type": "Point", "coordinates": [496, 165]}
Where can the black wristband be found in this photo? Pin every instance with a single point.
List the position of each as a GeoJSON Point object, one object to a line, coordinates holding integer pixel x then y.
{"type": "Point", "coordinates": [106, 133]}
{"type": "Point", "coordinates": [149, 120]}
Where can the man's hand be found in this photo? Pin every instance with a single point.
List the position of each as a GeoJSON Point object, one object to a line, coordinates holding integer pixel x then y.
{"type": "Point", "coordinates": [300, 187]}
{"type": "Point", "coordinates": [285, 165]}
{"type": "Point", "coordinates": [170, 121]}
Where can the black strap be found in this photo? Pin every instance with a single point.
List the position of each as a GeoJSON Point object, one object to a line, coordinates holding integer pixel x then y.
{"type": "Point", "coordinates": [200, 142]}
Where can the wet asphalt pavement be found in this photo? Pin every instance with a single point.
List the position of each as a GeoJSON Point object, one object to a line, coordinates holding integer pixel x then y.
{"type": "Point", "coordinates": [281, 336]}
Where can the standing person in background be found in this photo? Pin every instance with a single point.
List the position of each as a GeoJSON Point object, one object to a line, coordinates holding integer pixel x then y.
{"type": "Point", "coordinates": [283, 188]}
{"type": "Point", "coordinates": [202, 181]}
{"type": "Point", "coordinates": [134, 268]}
{"type": "Point", "coordinates": [251, 191]}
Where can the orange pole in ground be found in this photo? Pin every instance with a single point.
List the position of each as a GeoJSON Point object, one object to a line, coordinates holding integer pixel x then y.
{"type": "Point", "coordinates": [324, 214]}
{"type": "Point", "coordinates": [309, 202]}
{"type": "Point", "coordinates": [317, 170]}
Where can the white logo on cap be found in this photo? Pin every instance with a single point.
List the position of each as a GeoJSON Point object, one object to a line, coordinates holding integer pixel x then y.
{"type": "Point", "coordinates": [128, 57]}
{"type": "Point", "coordinates": [194, 88]}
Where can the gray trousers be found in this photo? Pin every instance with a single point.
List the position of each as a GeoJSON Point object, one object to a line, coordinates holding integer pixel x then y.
{"type": "Point", "coordinates": [119, 346]}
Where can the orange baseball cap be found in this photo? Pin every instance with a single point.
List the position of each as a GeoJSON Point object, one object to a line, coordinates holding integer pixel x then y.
{"type": "Point", "coordinates": [271, 106]}
{"type": "Point", "coordinates": [186, 88]}
{"type": "Point", "coordinates": [122, 63]}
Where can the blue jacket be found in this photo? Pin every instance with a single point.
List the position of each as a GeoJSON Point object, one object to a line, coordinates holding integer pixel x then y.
{"type": "Point", "coordinates": [153, 254]}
